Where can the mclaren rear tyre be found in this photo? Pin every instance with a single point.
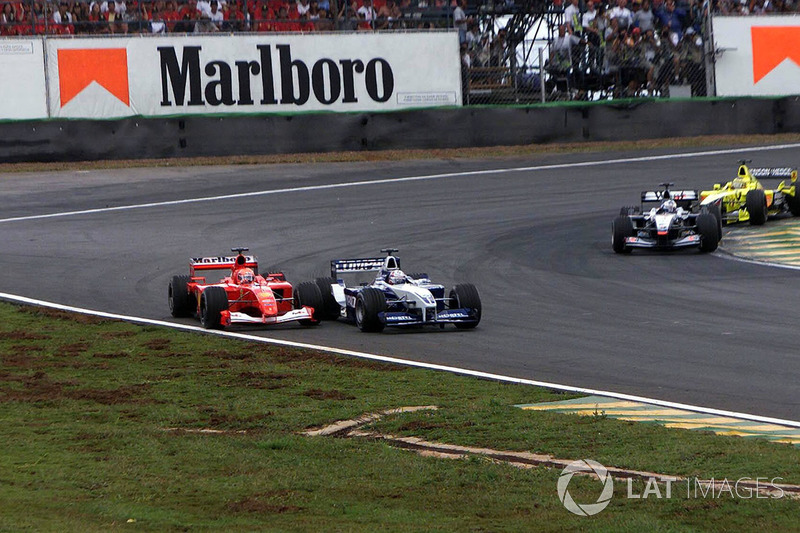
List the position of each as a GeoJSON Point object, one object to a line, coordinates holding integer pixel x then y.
{"type": "Point", "coordinates": [756, 204]}
{"type": "Point", "coordinates": [465, 296]}
{"type": "Point", "coordinates": [370, 303]}
{"type": "Point", "coordinates": [708, 230]}
{"type": "Point", "coordinates": [621, 229]}
{"type": "Point", "coordinates": [181, 303]}
{"type": "Point", "coordinates": [330, 309]}
{"type": "Point", "coordinates": [308, 294]}
{"type": "Point", "coordinates": [213, 302]}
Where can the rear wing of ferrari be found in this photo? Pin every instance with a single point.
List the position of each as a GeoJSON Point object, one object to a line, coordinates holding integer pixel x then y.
{"type": "Point", "coordinates": [364, 264]}
{"type": "Point", "coordinates": [683, 199]}
{"type": "Point", "coordinates": [221, 262]}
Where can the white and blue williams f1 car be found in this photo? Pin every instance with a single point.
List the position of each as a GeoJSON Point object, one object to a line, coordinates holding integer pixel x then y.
{"type": "Point", "coordinates": [395, 298]}
{"type": "Point", "coordinates": [667, 220]}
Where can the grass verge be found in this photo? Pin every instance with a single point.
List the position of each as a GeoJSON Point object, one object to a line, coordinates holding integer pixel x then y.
{"type": "Point", "coordinates": [89, 407]}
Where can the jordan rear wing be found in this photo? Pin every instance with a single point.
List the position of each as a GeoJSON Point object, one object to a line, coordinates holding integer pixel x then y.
{"type": "Point", "coordinates": [352, 266]}
{"type": "Point", "coordinates": [782, 172]}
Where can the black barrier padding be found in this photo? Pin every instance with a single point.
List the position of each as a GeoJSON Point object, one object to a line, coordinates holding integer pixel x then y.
{"type": "Point", "coordinates": [192, 136]}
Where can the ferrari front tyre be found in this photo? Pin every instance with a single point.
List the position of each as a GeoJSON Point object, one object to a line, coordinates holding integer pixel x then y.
{"type": "Point", "coordinates": [181, 303]}
{"type": "Point", "coordinates": [756, 204]}
{"type": "Point", "coordinates": [330, 309]}
{"type": "Point", "coordinates": [308, 294]}
{"type": "Point", "coordinates": [708, 230]}
{"type": "Point", "coordinates": [370, 302]}
{"type": "Point", "coordinates": [465, 296]}
{"type": "Point", "coordinates": [213, 302]}
{"type": "Point", "coordinates": [621, 229]}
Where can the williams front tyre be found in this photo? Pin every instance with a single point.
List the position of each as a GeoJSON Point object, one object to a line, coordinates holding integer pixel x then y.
{"type": "Point", "coordinates": [465, 296]}
{"type": "Point", "coordinates": [370, 303]}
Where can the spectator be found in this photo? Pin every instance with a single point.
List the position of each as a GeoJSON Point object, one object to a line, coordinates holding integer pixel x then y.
{"type": "Point", "coordinates": [283, 23]}
{"type": "Point", "coordinates": [204, 25]}
{"type": "Point", "coordinates": [237, 19]}
{"type": "Point", "coordinates": [186, 23]}
{"type": "Point", "coordinates": [562, 52]}
{"type": "Point", "coordinates": [589, 16]}
{"type": "Point", "coordinates": [572, 17]}
{"type": "Point", "coordinates": [301, 8]}
{"type": "Point", "coordinates": [473, 36]}
{"type": "Point", "coordinates": [622, 14]}
{"type": "Point", "coordinates": [366, 14]}
{"type": "Point", "coordinates": [692, 69]}
{"type": "Point", "coordinates": [644, 17]}
{"type": "Point", "coordinates": [388, 15]}
{"type": "Point", "coordinates": [216, 15]}
{"type": "Point", "coordinates": [324, 23]}
{"type": "Point", "coordinates": [204, 7]}
{"type": "Point", "coordinates": [671, 18]}
{"type": "Point", "coordinates": [497, 50]}
{"type": "Point", "coordinates": [460, 21]}
{"type": "Point", "coordinates": [264, 20]}
{"type": "Point", "coordinates": [113, 19]}
{"type": "Point", "coordinates": [482, 54]}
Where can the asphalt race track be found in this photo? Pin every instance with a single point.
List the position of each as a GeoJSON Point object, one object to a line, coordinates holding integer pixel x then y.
{"type": "Point", "coordinates": [559, 305]}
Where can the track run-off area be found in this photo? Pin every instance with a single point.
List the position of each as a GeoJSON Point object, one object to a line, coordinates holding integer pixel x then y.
{"type": "Point", "coordinates": [533, 234]}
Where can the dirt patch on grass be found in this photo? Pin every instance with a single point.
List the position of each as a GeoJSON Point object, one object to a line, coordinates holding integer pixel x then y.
{"type": "Point", "coordinates": [39, 387]}
{"type": "Point", "coordinates": [19, 335]}
{"type": "Point", "coordinates": [272, 502]}
{"type": "Point", "coordinates": [157, 344]}
{"type": "Point", "coordinates": [72, 350]}
{"type": "Point", "coordinates": [117, 334]}
{"type": "Point", "coordinates": [286, 356]}
{"type": "Point", "coordinates": [63, 315]}
{"type": "Point", "coordinates": [226, 354]}
{"type": "Point", "coordinates": [264, 380]}
{"type": "Point", "coordinates": [111, 355]}
{"type": "Point", "coordinates": [333, 394]}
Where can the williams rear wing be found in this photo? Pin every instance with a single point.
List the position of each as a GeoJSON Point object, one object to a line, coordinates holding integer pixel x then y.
{"type": "Point", "coordinates": [351, 266]}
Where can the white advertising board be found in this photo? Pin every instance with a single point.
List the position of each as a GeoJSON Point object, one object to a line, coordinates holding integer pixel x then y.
{"type": "Point", "coordinates": [22, 88]}
{"type": "Point", "coordinates": [757, 56]}
{"type": "Point", "coordinates": [158, 76]}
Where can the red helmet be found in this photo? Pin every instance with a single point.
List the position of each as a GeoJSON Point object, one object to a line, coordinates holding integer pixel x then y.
{"type": "Point", "coordinates": [245, 275]}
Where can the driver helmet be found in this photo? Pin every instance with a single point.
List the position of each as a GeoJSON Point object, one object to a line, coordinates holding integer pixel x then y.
{"type": "Point", "coordinates": [245, 276]}
{"type": "Point", "coordinates": [396, 277]}
{"type": "Point", "coordinates": [669, 206]}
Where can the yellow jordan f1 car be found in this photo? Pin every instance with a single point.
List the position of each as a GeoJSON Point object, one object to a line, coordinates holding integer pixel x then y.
{"type": "Point", "coordinates": [745, 198]}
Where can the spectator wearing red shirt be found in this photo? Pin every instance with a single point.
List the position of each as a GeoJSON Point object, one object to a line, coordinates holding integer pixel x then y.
{"type": "Point", "coordinates": [170, 15]}
{"type": "Point", "coordinates": [284, 24]}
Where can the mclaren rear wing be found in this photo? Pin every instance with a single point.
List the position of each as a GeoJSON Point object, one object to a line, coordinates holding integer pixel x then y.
{"type": "Point", "coordinates": [352, 266]}
{"type": "Point", "coordinates": [683, 199]}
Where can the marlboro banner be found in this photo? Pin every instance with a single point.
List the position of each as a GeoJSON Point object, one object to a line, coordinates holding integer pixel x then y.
{"type": "Point", "coordinates": [22, 87]}
{"type": "Point", "coordinates": [757, 56]}
{"type": "Point", "coordinates": [157, 76]}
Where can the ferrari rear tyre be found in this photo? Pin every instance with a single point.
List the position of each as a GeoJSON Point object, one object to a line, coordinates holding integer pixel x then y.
{"type": "Point", "coordinates": [181, 303]}
{"type": "Point", "coordinates": [465, 296]}
{"type": "Point", "coordinates": [308, 294]}
{"type": "Point", "coordinates": [708, 230]}
{"type": "Point", "coordinates": [756, 204]}
{"type": "Point", "coordinates": [330, 307]}
{"type": "Point", "coordinates": [369, 303]}
{"type": "Point", "coordinates": [213, 301]}
{"type": "Point", "coordinates": [621, 229]}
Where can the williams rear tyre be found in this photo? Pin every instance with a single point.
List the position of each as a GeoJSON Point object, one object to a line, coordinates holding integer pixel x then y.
{"type": "Point", "coordinates": [181, 303]}
{"type": "Point", "coordinates": [621, 229]}
{"type": "Point", "coordinates": [330, 307]}
{"type": "Point", "coordinates": [756, 204]}
{"type": "Point", "coordinates": [213, 302]}
{"type": "Point", "coordinates": [708, 230]}
{"type": "Point", "coordinates": [308, 294]}
{"type": "Point", "coordinates": [419, 275]}
{"type": "Point", "coordinates": [369, 303]}
{"type": "Point", "coordinates": [465, 296]}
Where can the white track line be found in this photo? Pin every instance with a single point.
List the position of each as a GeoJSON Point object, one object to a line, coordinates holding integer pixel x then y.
{"type": "Point", "coordinates": [406, 362]}
{"type": "Point", "coordinates": [406, 179]}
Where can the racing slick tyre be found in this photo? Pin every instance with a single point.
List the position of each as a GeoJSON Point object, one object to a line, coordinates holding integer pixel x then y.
{"type": "Point", "coordinates": [465, 296]}
{"type": "Point", "coordinates": [308, 294]}
{"type": "Point", "coordinates": [794, 201]}
{"type": "Point", "coordinates": [181, 303]}
{"type": "Point", "coordinates": [213, 301]}
{"type": "Point", "coordinates": [756, 204]}
{"type": "Point", "coordinates": [714, 209]}
{"type": "Point", "coordinates": [621, 229]}
{"type": "Point", "coordinates": [419, 275]}
{"type": "Point", "coordinates": [369, 303]}
{"type": "Point", "coordinates": [709, 232]}
{"type": "Point", "coordinates": [330, 309]}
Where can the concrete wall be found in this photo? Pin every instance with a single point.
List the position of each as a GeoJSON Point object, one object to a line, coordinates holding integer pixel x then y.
{"type": "Point", "coordinates": [132, 138]}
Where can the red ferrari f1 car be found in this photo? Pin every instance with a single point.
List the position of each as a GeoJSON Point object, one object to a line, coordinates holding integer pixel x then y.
{"type": "Point", "coordinates": [242, 297]}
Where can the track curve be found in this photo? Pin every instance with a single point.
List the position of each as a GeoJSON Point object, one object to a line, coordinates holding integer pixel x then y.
{"type": "Point", "coordinates": [559, 305]}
